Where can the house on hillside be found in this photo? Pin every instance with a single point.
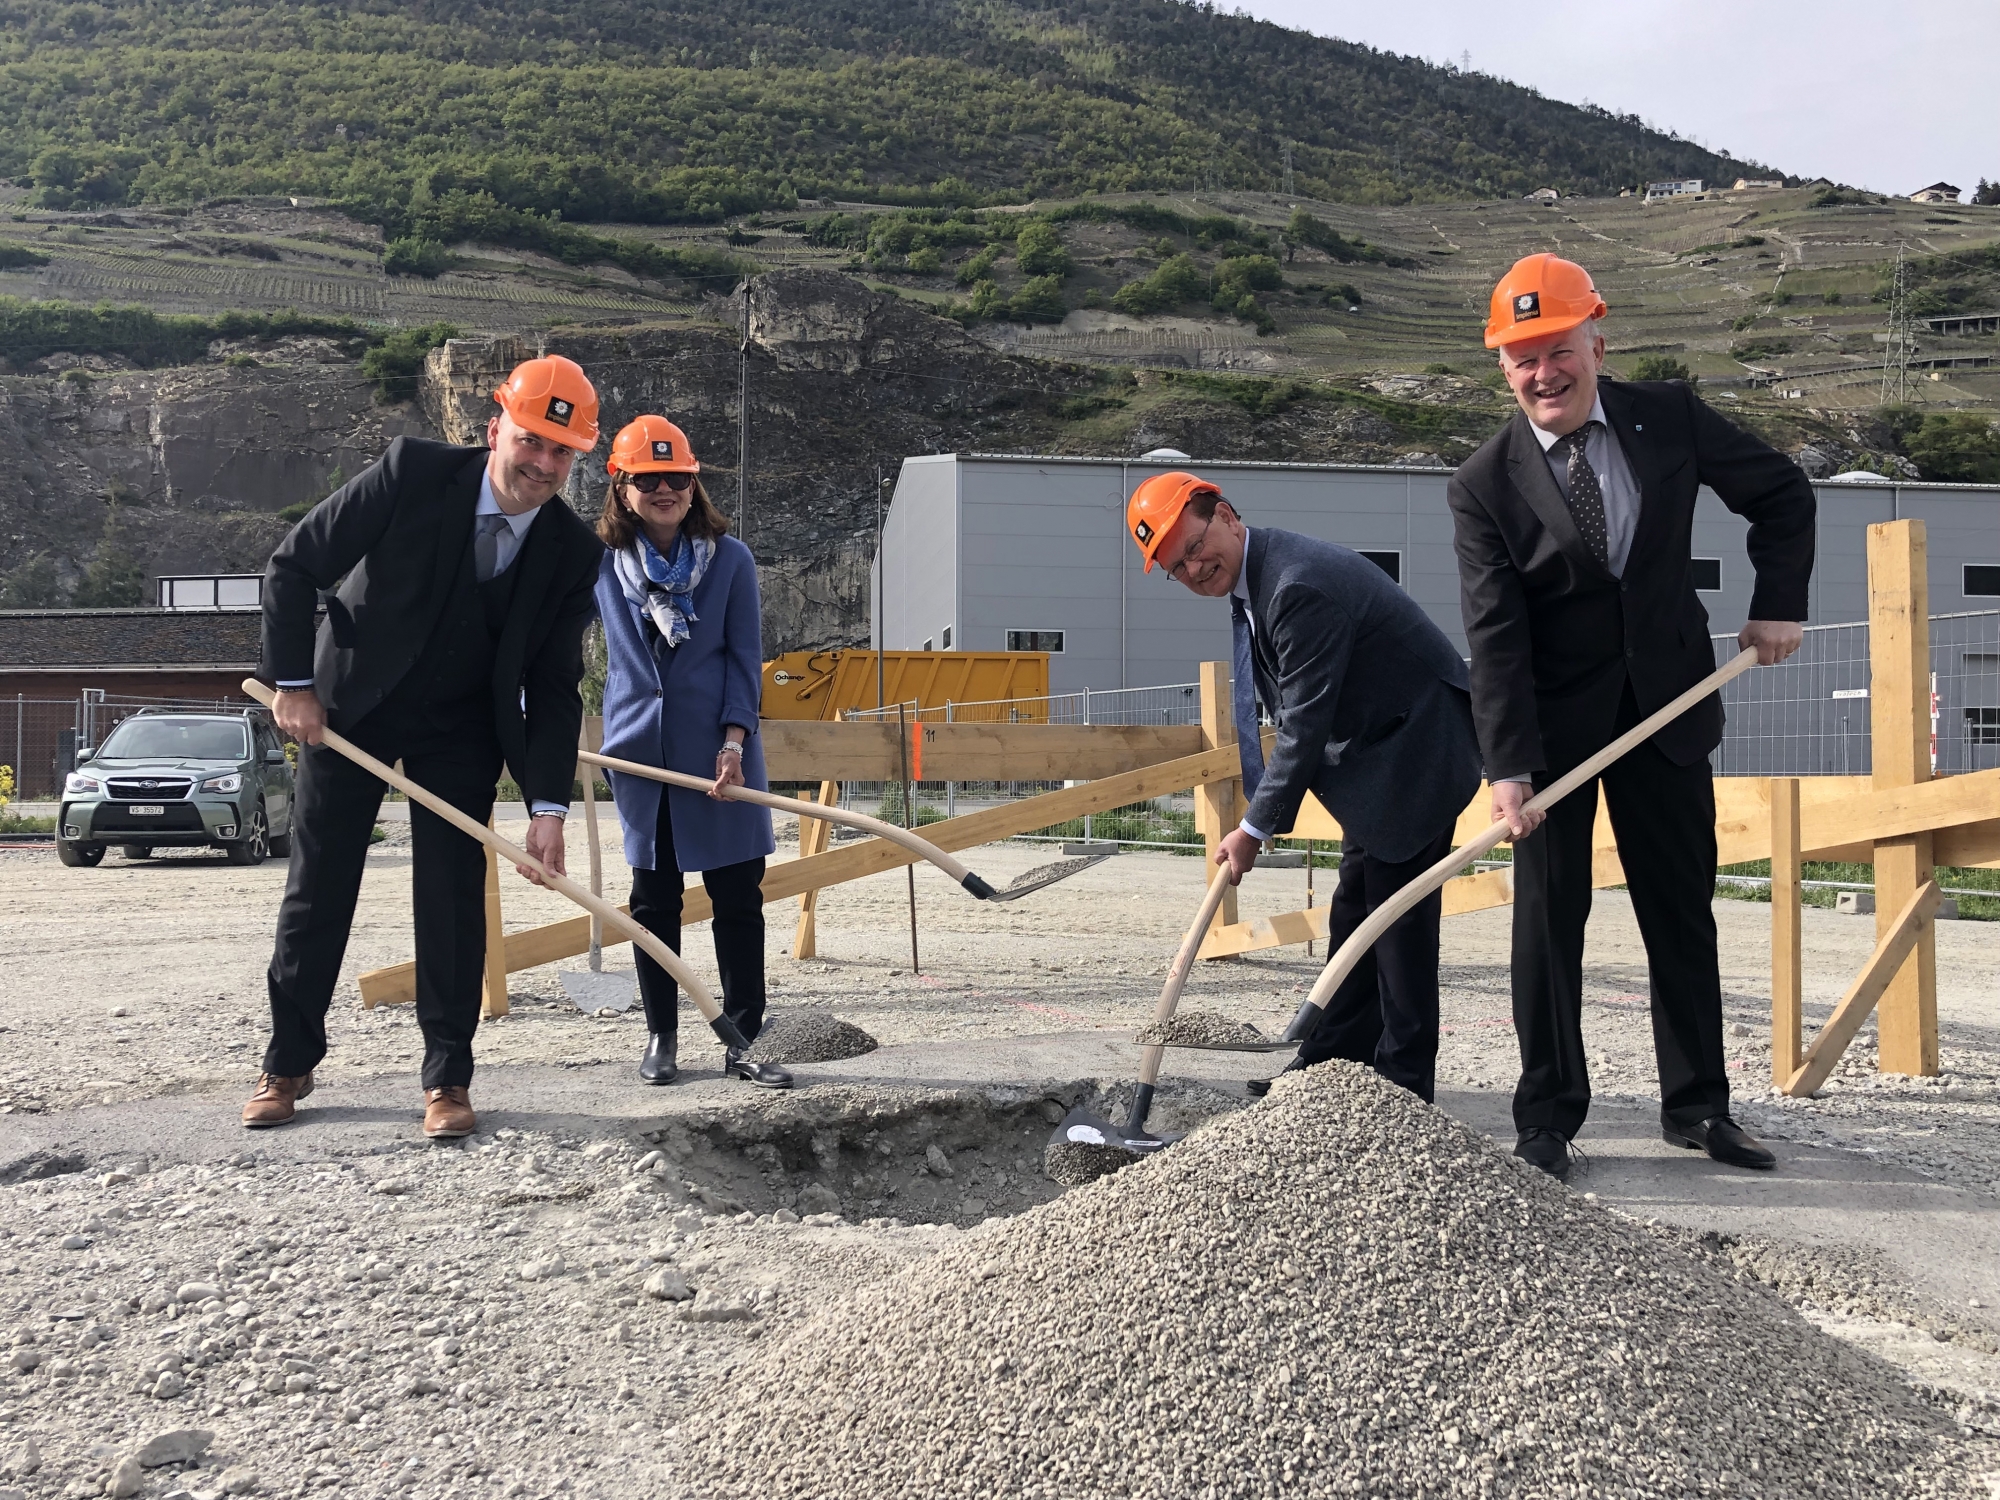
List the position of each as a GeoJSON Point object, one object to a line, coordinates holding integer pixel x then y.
{"type": "Point", "coordinates": [1684, 187]}
{"type": "Point", "coordinates": [1542, 195]}
{"type": "Point", "coordinates": [1757, 184]}
{"type": "Point", "coordinates": [1937, 192]}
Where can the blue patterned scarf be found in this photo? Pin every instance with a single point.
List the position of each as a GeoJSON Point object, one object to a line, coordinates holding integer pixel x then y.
{"type": "Point", "coordinates": [663, 586]}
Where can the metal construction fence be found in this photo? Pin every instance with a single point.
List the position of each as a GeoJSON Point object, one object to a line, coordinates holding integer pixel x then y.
{"type": "Point", "coordinates": [1810, 716]}
{"type": "Point", "coordinates": [40, 737]}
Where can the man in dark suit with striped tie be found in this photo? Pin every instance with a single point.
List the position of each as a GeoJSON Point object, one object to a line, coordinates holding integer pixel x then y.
{"type": "Point", "coordinates": [1373, 718]}
{"type": "Point", "coordinates": [1573, 527]}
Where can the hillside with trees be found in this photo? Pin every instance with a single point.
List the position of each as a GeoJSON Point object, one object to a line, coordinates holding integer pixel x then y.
{"type": "Point", "coordinates": [692, 111]}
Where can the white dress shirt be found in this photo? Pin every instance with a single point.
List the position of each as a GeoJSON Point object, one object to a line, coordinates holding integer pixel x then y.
{"type": "Point", "coordinates": [1614, 479]}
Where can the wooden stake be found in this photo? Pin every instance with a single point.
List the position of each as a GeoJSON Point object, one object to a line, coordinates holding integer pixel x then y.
{"type": "Point", "coordinates": [589, 780]}
{"type": "Point", "coordinates": [1215, 811]}
{"type": "Point", "coordinates": [1900, 713]}
{"type": "Point", "coordinates": [1787, 951]}
{"type": "Point", "coordinates": [493, 1002]}
{"type": "Point", "coordinates": [814, 835]}
{"type": "Point", "coordinates": [909, 821]}
{"type": "Point", "coordinates": [1907, 928]}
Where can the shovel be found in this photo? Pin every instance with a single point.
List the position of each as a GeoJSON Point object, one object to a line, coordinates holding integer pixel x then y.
{"type": "Point", "coordinates": [725, 1029]}
{"type": "Point", "coordinates": [596, 990]}
{"type": "Point", "coordinates": [1086, 1131]}
{"type": "Point", "coordinates": [1032, 881]}
{"type": "Point", "coordinates": [1384, 916]}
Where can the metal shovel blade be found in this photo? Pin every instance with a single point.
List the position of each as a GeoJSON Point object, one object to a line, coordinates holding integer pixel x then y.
{"type": "Point", "coordinates": [1086, 1147]}
{"type": "Point", "coordinates": [591, 993]}
{"type": "Point", "coordinates": [1044, 876]}
{"type": "Point", "coordinates": [1274, 1046]}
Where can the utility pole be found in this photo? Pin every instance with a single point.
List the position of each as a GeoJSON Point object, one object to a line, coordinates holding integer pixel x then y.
{"type": "Point", "coordinates": [743, 425]}
{"type": "Point", "coordinates": [881, 590]}
{"type": "Point", "coordinates": [1896, 355]}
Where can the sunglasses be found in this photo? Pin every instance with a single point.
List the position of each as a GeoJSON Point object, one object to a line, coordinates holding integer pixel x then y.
{"type": "Point", "coordinates": [645, 484]}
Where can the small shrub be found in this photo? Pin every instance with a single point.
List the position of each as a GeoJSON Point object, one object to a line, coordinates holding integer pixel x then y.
{"type": "Point", "coordinates": [979, 268]}
{"type": "Point", "coordinates": [417, 257]}
{"type": "Point", "coordinates": [924, 261]}
{"type": "Point", "coordinates": [1662, 367]}
{"type": "Point", "coordinates": [1957, 447]}
{"type": "Point", "coordinates": [1831, 299]}
{"type": "Point", "coordinates": [393, 364]}
{"type": "Point", "coordinates": [1039, 301]}
{"type": "Point", "coordinates": [241, 361]}
{"type": "Point", "coordinates": [1177, 280]}
{"type": "Point", "coordinates": [1038, 248]}
{"type": "Point", "coordinates": [14, 256]}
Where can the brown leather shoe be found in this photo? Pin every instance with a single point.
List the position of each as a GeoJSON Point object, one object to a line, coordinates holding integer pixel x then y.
{"type": "Point", "coordinates": [448, 1112]}
{"type": "Point", "coordinates": [275, 1100]}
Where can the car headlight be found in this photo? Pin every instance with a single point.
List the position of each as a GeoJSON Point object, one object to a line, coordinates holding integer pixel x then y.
{"type": "Point", "coordinates": [76, 784]}
{"type": "Point", "coordinates": [233, 782]}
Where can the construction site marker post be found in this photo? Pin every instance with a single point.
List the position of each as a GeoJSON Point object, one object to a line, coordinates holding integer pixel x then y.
{"type": "Point", "coordinates": [1787, 932]}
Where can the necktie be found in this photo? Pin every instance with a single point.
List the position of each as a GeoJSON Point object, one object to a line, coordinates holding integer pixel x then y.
{"type": "Point", "coordinates": [1243, 700]}
{"type": "Point", "coordinates": [1586, 498]}
{"type": "Point", "coordinates": [486, 546]}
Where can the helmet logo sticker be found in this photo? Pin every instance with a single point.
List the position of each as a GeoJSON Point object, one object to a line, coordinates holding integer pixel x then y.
{"type": "Point", "coordinates": [559, 411]}
{"type": "Point", "coordinates": [1527, 305]}
{"type": "Point", "coordinates": [663, 450]}
{"type": "Point", "coordinates": [1144, 532]}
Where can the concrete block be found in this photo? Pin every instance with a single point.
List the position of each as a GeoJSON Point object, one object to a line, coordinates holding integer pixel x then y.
{"type": "Point", "coordinates": [1855, 903]}
{"type": "Point", "coordinates": [1079, 847]}
{"type": "Point", "coordinates": [1282, 859]}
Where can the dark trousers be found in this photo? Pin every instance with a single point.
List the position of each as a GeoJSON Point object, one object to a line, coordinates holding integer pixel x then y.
{"type": "Point", "coordinates": [1385, 1013]}
{"type": "Point", "coordinates": [736, 893]}
{"type": "Point", "coordinates": [1664, 819]}
{"type": "Point", "coordinates": [333, 815]}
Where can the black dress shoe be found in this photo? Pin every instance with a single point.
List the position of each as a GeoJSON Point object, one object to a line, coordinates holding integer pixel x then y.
{"type": "Point", "coordinates": [1724, 1140]}
{"type": "Point", "coordinates": [764, 1075]}
{"type": "Point", "coordinates": [1547, 1149]}
{"type": "Point", "coordinates": [658, 1065]}
{"type": "Point", "coordinates": [1259, 1087]}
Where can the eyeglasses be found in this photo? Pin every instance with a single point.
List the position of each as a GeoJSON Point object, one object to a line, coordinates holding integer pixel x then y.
{"type": "Point", "coordinates": [1189, 553]}
{"type": "Point", "coordinates": [645, 484]}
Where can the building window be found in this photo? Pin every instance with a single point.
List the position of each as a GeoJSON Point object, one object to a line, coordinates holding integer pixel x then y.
{"type": "Point", "coordinates": [947, 638]}
{"type": "Point", "coordinates": [1035, 640]}
{"type": "Point", "coordinates": [1982, 580]}
{"type": "Point", "coordinates": [1707, 574]}
{"type": "Point", "coordinates": [1982, 726]}
{"type": "Point", "coordinates": [1389, 562]}
{"type": "Point", "coordinates": [927, 643]}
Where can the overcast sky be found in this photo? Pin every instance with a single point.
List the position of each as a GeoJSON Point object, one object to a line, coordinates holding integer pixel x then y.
{"type": "Point", "coordinates": [1884, 94]}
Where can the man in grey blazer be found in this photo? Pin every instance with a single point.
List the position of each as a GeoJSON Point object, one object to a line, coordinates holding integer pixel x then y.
{"type": "Point", "coordinates": [1373, 718]}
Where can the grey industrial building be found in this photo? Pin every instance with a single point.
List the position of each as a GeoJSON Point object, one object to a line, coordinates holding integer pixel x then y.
{"type": "Point", "coordinates": [992, 551]}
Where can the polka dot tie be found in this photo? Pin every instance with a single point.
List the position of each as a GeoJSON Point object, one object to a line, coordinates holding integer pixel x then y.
{"type": "Point", "coordinates": [1585, 498]}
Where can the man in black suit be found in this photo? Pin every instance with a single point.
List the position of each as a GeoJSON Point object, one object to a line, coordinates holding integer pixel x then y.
{"type": "Point", "coordinates": [457, 589]}
{"type": "Point", "coordinates": [1372, 718]}
{"type": "Point", "coordinates": [1573, 528]}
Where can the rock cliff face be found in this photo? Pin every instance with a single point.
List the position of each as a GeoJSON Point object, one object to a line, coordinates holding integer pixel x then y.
{"type": "Point", "coordinates": [197, 460]}
{"type": "Point", "coordinates": [841, 380]}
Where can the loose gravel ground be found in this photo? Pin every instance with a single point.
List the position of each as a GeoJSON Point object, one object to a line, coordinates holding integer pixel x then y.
{"type": "Point", "coordinates": [1339, 1291]}
{"type": "Point", "coordinates": [533, 1248]}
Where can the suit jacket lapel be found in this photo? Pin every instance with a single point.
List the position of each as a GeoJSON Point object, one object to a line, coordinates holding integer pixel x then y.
{"type": "Point", "coordinates": [461, 498]}
{"type": "Point", "coordinates": [1528, 465]}
{"type": "Point", "coordinates": [537, 564]}
{"type": "Point", "coordinates": [1261, 655]}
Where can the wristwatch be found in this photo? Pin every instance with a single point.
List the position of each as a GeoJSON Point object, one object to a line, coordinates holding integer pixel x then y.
{"type": "Point", "coordinates": [731, 747]}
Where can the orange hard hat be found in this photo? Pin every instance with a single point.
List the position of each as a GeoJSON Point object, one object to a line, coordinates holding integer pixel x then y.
{"type": "Point", "coordinates": [1541, 294]}
{"type": "Point", "coordinates": [552, 398]}
{"type": "Point", "coordinates": [1157, 503]}
{"type": "Point", "coordinates": [651, 445]}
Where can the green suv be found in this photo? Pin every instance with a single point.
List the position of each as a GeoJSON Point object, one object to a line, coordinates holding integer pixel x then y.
{"type": "Point", "coordinates": [165, 778]}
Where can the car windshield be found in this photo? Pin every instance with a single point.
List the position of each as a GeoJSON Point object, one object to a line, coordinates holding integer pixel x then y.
{"type": "Point", "coordinates": [163, 738]}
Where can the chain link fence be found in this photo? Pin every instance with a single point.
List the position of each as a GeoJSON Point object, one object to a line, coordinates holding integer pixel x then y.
{"type": "Point", "coordinates": [1809, 716]}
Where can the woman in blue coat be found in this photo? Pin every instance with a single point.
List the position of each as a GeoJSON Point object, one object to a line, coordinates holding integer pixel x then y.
{"type": "Point", "coordinates": [683, 634]}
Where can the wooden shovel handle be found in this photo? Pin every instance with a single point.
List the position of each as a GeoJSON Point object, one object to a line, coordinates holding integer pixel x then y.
{"type": "Point", "coordinates": [1177, 973]}
{"type": "Point", "coordinates": [921, 847]}
{"type": "Point", "coordinates": [1384, 916]}
{"type": "Point", "coordinates": [597, 906]}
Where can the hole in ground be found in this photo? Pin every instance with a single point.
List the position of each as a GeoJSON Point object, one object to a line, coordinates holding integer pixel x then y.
{"type": "Point", "coordinates": [925, 1156]}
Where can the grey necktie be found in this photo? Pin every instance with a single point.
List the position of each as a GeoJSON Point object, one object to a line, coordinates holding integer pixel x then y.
{"type": "Point", "coordinates": [1586, 497]}
{"type": "Point", "coordinates": [486, 545]}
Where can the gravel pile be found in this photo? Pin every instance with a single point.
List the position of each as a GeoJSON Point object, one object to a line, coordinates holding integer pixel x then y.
{"type": "Point", "coordinates": [1338, 1291]}
{"type": "Point", "coordinates": [808, 1036]}
{"type": "Point", "coordinates": [1197, 1028]}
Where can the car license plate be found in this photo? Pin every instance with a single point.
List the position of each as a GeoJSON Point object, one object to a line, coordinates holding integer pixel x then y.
{"type": "Point", "coordinates": [147, 810]}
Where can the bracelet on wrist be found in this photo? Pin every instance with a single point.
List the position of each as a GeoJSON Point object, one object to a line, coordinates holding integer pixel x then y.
{"type": "Point", "coordinates": [732, 747]}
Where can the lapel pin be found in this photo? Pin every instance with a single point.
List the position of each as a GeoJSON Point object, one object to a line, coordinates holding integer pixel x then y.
{"type": "Point", "coordinates": [1638, 426]}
